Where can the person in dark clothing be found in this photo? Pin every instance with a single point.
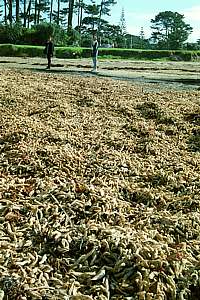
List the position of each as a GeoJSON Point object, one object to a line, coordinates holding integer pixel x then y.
{"type": "Point", "coordinates": [94, 53]}
{"type": "Point", "coordinates": [49, 49]}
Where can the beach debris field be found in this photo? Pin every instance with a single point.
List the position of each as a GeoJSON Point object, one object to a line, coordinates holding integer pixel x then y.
{"type": "Point", "coordinates": [99, 189]}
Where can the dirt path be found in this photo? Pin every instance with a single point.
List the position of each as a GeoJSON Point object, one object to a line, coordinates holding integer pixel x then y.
{"type": "Point", "coordinates": [162, 75]}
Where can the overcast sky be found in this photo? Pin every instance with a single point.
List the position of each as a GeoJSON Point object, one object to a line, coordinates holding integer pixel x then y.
{"type": "Point", "coordinates": [139, 14]}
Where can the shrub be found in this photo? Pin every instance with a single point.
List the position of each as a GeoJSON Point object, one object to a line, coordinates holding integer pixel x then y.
{"type": "Point", "coordinates": [11, 33]}
{"type": "Point", "coordinates": [29, 51]}
{"type": "Point", "coordinates": [7, 50]}
{"type": "Point", "coordinates": [78, 52]}
{"type": "Point", "coordinates": [13, 50]}
{"type": "Point", "coordinates": [38, 34]}
{"type": "Point", "coordinates": [68, 52]}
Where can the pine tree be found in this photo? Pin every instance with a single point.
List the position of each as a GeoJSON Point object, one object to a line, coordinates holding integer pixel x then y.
{"type": "Point", "coordinates": [90, 22]}
{"type": "Point", "coordinates": [10, 11]}
{"type": "Point", "coordinates": [80, 6]}
{"type": "Point", "coordinates": [123, 23]}
{"type": "Point", "coordinates": [51, 11]}
{"type": "Point", "coordinates": [170, 30]}
{"type": "Point", "coordinates": [123, 28]}
{"type": "Point", "coordinates": [1, 10]}
{"type": "Point", "coordinates": [70, 15]}
{"type": "Point", "coordinates": [104, 10]}
{"type": "Point", "coordinates": [142, 33]}
{"type": "Point", "coordinates": [17, 10]}
{"type": "Point", "coordinates": [142, 38]}
{"type": "Point", "coordinates": [24, 15]}
{"type": "Point", "coordinates": [58, 12]}
{"type": "Point", "coordinates": [5, 12]}
{"type": "Point", "coordinates": [60, 16]}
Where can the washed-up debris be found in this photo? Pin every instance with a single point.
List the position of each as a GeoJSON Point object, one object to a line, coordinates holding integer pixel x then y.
{"type": "Point", "coordinates": [99, 190]}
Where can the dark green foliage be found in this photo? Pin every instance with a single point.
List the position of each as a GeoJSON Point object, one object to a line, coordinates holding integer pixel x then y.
{"type": "Point", "coordinates": [78, 52]}
{"type": "Point", "coordinates": [170, 30]}
{"type": "Point", "coordinates": [69, 52]}
{"type": "Point", "coordinates": [91, 20]}
{"type": "Point", "coordinates": [12, 50]}
{"type": "Point", "coordinates": [37, 51]}
{"type": "Point", "coordinates": [73, 52]}
{"type": "Point", "coordinates": [11, 33]}
{"type": "Point", "coordinates": [29, 51]}
{"type": "Point", "coordinates": [36, 35]}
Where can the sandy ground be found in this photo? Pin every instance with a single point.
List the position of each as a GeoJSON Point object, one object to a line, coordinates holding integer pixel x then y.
{"type": "Point", "coordinates": [175, 75]}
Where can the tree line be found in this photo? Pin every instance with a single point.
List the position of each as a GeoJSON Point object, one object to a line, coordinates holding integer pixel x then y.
{"type": "Point", "coordinates": [72, 22]}
{"type": "Point", "coordinates": [62, 12]}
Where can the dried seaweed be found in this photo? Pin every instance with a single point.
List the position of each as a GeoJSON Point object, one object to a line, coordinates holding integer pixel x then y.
{"type": "Point", "coordinates": [99, 190]}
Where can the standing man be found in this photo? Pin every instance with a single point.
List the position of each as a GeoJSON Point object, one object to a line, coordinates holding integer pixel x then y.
{"type": "Point", "coordinates": [94, 52]}
{"type": "Point", "coordinates": [49, 49]}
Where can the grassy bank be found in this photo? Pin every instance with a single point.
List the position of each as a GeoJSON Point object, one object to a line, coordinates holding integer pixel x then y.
{"type": "Point", "coordinates": [77, 52]}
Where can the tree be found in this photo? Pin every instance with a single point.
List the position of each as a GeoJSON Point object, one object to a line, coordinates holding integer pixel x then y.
{"type": "Point", "coordinates": [112, 34]}
{"type": "Point", "coordinates": [17, 10]}
{"type": "Point", "coordinates": [24, 15]}
{"type": "Point", "coordinates": [60, 16]}
{"type": "Point", "coordinates": [70, 15]}
{"type": "Point", "coordinates": [90, 22]}
{"type": "Point", "coordinates": [29, 16]}
{"type": "Point", "coordinates": [5, 12]}
{"type": "Point", "coordinates": [123, 23]}
{"type": "Point", "coordinates": [1, 10]}
{"type": "Point", "coordinates": [143, 42]}
{"type": "Point", "coordinates": [170, 30]}
{"type": "Point", "coordinates": [24, 22]}
{"type": "Point", "coordinates": [123, 28]}
{"type": "Point", "coordinates": [10, 11]}
{"type": "Point", "coordinates": [142, 33]}
{"type": "Point", "coordinates": [51, 11]}
{"type": "Point", "coordinates": [104, 10]}
{"type": "Point", "coordinates": [80, 6]}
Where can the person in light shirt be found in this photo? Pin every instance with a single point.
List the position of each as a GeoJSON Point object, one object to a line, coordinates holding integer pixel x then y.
{"type": "Point", "coordinates": [94, 53]}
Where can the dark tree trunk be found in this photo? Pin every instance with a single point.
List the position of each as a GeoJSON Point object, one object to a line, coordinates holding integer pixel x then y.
{"type": "Point", "coordinates": [17, 11]}
{"type": "Point", "coordinates": [5, 11]}
{"type": "Point", "coordinates": [81, 15]}
{"type": "Point", "coordinates": [25, 14]}
{"type": "Point", "coordinates": [29, 13]}
{"type": "Point", "coordinates": [79, 10]}
{"type": "Point", "coordinates": [35, 14]}
{"type": "Point", "coordinates": [100, 15]}
{"type": "Point", "coordinates": [51, 11]}
{"type": "Point", "coordinates": [10, 11]}
{"type": "Point", "coordinates": [38, 12]}
{"type": "Point", "coordinates": [58, 13]}
{"type": "Point", "coordinates": [70, 15]}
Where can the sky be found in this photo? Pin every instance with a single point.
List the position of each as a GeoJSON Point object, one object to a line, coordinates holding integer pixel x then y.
{"type": "Point", "coordinates": [139, 14]}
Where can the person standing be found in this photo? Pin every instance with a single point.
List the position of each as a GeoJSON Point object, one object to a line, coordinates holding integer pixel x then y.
{"type": "Point", "coordinates": [49, 49]}
{"type": "Point", "coordinates": [94, 52]}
